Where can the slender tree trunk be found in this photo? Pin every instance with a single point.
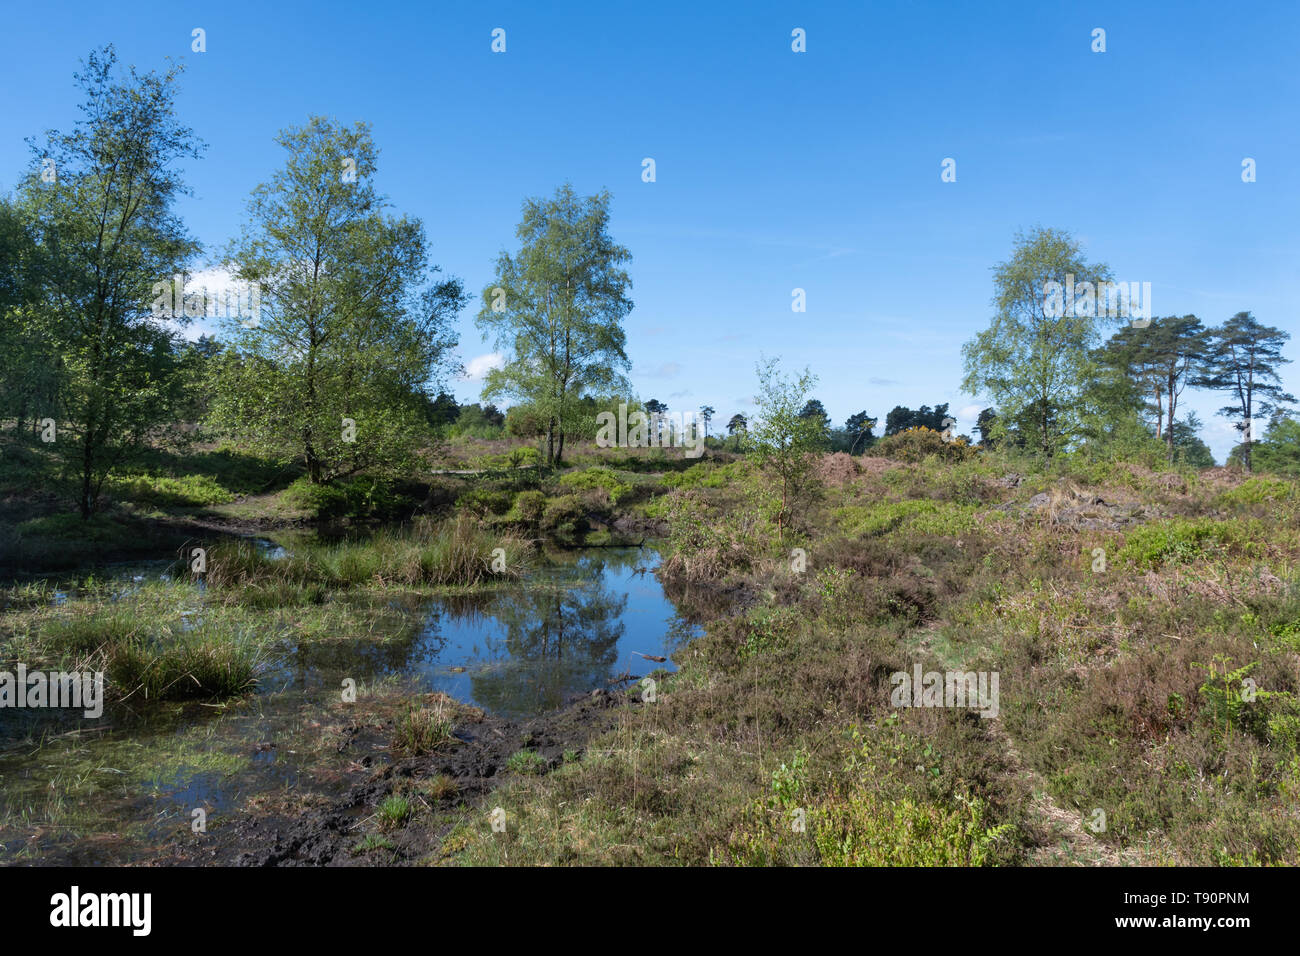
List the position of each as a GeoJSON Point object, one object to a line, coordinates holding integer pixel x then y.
{"type": "Point", "coordinates": [87, 467]}
{"type": "Point", "coordinates": [1250, 427]}
{"type": "Point", "coordinates": [1043, 426]}
{"type": "Point", "coordinates": [1173, 408]}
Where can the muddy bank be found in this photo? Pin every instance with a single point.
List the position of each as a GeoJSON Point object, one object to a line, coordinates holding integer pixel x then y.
{"type": "Point", "coordinates": [445, 787]}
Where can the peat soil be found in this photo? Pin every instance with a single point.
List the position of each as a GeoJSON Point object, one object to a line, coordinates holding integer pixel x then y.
{"type": "Point", "coordinates": [325, 830]}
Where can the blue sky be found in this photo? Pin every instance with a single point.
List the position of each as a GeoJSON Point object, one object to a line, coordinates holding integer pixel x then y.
{"type": "Point", "coordinates": [775, 170]}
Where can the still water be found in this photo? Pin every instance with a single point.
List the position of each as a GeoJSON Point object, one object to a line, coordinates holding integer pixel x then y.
{"type": "Point", "coordinates": [103, 793]}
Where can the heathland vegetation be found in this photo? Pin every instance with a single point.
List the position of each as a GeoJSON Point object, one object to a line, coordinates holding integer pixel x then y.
{"type": "Point", "coordinates": [306, 476]}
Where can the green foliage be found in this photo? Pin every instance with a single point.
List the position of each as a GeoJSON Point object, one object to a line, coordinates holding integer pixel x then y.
{"type": "Point", "coordinates": [556, 307]}
{"type": "Point", "coordinates": [1258, 490]}
{"type": "Point", "coordinates": [596, 477]}
{"type": "Point", "coordinates": [333, 373]}
{"type": "Point", "coordinates": [485, 501]}
{"type": "Point", "coordinates": [704, 474]}
{"type": "Point", "coordinates": [524, 456]}
{"type": "Point", "coordinates": [770, 630]}
{"type": "Point", "coordinates": [783, 441]}
{"type": "Point", "coordinates": [479, 421]}
{"type": "Point", "coordinates": [859, 829]}
{"type": "Point", "coordinates": [359, 498]}
{"type": "Point", "coordinates": [528, 508]}
{"type": "Point", "coordinates": [1222, 692]}
{"type": "Point", "coordinates": [395, 811]}
{"type": "Point", "coordinates": [454, 553]}
{"type": "Point", "coordinates": [186, 491]}
{"type": "Point", "coordinates": [1033, 362]}
{"type": "Point", "coordinates": [190, 669]}
{"type": "Point", "coordinates": [1242, 358]}
{"type": "Point", "coordinates": [526, 761]}
{"type": "Point", "coordinates": [910, 516]}
{"type": "Point", "coordinates": [422, 730]}
{"type": "Point", "coordinates": [566, 518]}
{"type": "Point", "coordinates": [917, 444]}
{"type": "Point", "coordinates": [1182, 540]}
{"type": "Point", "coordinates": [1279, 452]}
{"type": "Point", "coordinates": [1147, 367]}
{"type": "Point", "coordinates": [98, 239]}
{"type": "Point", "coordinates": [901, 418]}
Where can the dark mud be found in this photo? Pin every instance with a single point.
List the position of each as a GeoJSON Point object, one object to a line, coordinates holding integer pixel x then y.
{"type": "Point", "coordinates": [318, 830]}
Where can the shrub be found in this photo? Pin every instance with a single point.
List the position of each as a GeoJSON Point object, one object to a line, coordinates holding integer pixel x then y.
{"type": "Point", "coordinates": [524, 456]}
{"type": "Point", "coordinates": [528, 508]}
{"type": "Point", "coordinates": [359, 498]}
{"type": "Point", "coordinates": [565, 518]}
{"type": "Point", "coordinates": [1258, 490]}
{"type": "Point", "coordinates": [485, 502]}
{"type": "Point", "coordinates": [917, 444]}
{"type": "Point", "coordinates": [860, 829]}
{"type": "Point", "coordinates": [322, 501]}
{"type": "Point", "coordinates": [596, 477]}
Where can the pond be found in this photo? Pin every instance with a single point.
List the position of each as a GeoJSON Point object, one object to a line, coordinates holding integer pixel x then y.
{"type": "Point", "coordinates": [105, 791]}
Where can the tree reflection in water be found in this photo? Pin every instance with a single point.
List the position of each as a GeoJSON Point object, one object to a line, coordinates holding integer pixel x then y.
{"type": "Point", "coordinates": [571, 627]}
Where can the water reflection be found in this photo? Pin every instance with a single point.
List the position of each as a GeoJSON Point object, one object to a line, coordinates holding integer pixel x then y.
{"type": "Point", "coordinates": [572, 629]}
{"type": "Point", "coordinates": [572, 626]}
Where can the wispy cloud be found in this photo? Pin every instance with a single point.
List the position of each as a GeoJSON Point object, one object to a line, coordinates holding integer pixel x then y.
{"type": "Point", "coordinates": [480, 365]}
{"type": "Point", "coordinates": [666, 370]}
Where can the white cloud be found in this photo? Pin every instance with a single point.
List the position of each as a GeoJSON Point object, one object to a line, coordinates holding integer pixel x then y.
{"type": "Point", "coordinates": [218, 294]}
{"type": "Point", "coordinates": [480, 365]}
